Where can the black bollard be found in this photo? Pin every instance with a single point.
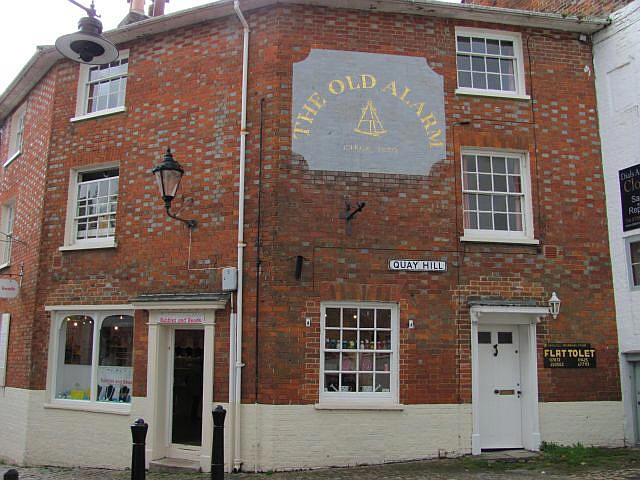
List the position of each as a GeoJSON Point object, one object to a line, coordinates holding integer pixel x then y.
{"type": "Point", "coordinates": [139, 434]}
{"type": "Point", "coordinates": [11, 474]}
{"type": "Point", "coordinates": [217, 449]}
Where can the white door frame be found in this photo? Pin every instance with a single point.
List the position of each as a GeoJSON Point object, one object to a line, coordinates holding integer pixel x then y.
{"type": "Point", "coordinates": [157, 378]}
{"type": "Point", "coordinates": [526, 319]}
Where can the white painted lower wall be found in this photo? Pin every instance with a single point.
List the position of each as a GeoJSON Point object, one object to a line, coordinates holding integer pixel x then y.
{"type": "Point", "coordinates": [588, 423]}
{"type": "Point", "coordinates": [286, 437]}
{"type": "Point", "coordinates": [14, 403]}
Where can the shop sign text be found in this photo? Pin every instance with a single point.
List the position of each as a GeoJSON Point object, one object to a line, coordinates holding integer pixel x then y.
{"type": "Point", "coordinates": [630, 197]}
{"type": "Point", "coordinates": [178, 318]}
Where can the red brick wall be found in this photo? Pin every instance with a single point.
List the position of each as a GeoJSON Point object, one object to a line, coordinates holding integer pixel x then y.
{"type": "Point", "coordinates": [23, 182]}
{"type": "Point", "coordinates": [184, 91]}
{"type": "Point", "coordinates": [565, 7]}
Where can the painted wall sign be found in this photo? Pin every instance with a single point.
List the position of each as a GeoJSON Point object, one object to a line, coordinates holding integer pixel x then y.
{"type": "Point", "coordinates": [569, 355]}
{"type": "Point", "coordinates": [367, 112]}
{"type": "Point", "coordinates": [181, 318]}
{"type": "Point", "coordinates": [418, 265]}
{"type": "Point", "coordinates": [630, 197]}
{"type": "Point", "coordinates": [9, 288]}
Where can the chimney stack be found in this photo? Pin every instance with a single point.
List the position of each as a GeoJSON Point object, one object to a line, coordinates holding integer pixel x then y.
{"type": "Point", "coordinates": [137, 6]}
{"type": "Point", "coordinates": [136, 13]}
{"type": "Point", "coordinates": [156, 8]}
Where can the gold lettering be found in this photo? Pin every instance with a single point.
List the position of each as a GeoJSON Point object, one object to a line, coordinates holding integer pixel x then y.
{"type": "Point", "coordinates": [364, 77]}
{"type": "Point", "coordinates": [391, 86]}
{"type": "Point", "coordinates": [309, 109]}
{"type": "Point", "coordinates": [418, 106]}
{"type": "Point", "coordinates": [350, 82]}
{"type": "Point", "coordinates": [429, 121]}
{"type": "Point", "coordinates": [405, 93]}
{"type": "Point", "coordinates": [305, 118]}
{"type": "Point", "coordinates": [317, 100]}
{"type": "Point", "coordinates": [332, 88]}
{"type": "Point", "coordinates": [297, 130]}
{"type": "Point", "coordinates": [433, 137]}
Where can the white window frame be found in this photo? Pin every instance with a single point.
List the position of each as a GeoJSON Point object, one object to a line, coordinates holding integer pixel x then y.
{"type": "Point", "coordinates": [5, 321]}
{"type": "Point", "coordinates": [515, 37]}
{"type": "Point", "coordinates": [362, 399]}
{"type": "Point", "coordinates": [627, 247]}
{"type": "Point", "coordinates": [7, 222]}
{"type": "Point", "coordinates": [83, 92]}
{"type": "Point", "coordinates": [99, 312]}
{"type": "Point", "coordinates": [16, 134]}
{"type": "Point", "coordinates": [70, 241]}
{"type": "Point", "coordinates": [526, 236]}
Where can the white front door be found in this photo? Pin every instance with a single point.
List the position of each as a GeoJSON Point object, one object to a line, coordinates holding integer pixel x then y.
{"type": "Point", "coordinates": [500, 405]}
{"type": "Point", "coordinates": [636, 369]}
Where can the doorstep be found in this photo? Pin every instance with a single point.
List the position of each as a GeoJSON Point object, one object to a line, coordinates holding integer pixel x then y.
{"type": "Point", "coordinates": [174, 465]}
{"type": "Point", "coordinates": [508, 456]}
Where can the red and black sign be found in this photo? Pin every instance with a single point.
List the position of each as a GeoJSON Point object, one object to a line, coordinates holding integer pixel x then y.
{"type": "Point", "coordinates": [569, 355]}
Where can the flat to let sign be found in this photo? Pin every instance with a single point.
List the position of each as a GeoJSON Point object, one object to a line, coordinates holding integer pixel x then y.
{"type": "Point", "coordinates": [630, 197]}
{"type": "Point", "coordinates": [9, 288]}
{"type": "Point", "coordinates": [569, 355]}
{"type": "Point", "coordinates": [418, 265]}
{"type": "Point", "coordinates": [181, 318]}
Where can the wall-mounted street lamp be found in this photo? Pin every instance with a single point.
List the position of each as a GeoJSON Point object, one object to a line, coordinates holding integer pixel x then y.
{"type": "Point", "coordinates": [168, 175]}
{"type": "Point", "coordinates": [554, 305]}
{"type": "Point", "coordinates": [87, 45]}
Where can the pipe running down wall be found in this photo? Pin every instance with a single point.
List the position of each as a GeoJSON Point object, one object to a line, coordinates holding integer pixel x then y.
{"type": "Point", "coordinates": [235, 338]}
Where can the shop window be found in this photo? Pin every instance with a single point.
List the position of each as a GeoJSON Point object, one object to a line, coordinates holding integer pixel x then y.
{"type": "Point", "coordinates": [102, 88]}
{"type": "Point", "coordinates": [359, 353]}
{"type": "Point", "coordinates": [16, 134]}
{"type": "Point", "coordinates": [633, 260]}
{"type": "Point", "coordinates": [4, 346]}
{"type": "Point", "coordinates": [496, 197]}
{"type": "Point", "coordinates": [7, 217]}
{"type": "Point", "coordinates": [93, 202]}
{"type": "Point", "coordinates": [94, 359]}
{"type": "Point", "coordinates": [489, 62]}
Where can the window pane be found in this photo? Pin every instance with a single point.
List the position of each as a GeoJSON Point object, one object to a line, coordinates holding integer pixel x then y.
{"type": "Point", "coordinates": [484, 337]}
{"type": "Point", "coordinates": [484, 202]}
{"type": "Point", "coordinates": [493, 65]}
{"type": "Point", "coordinates": [332, 339]}
{"type": "Point", "coordinates": [332, 382]}
{"type": "Point", "coordinates": [634, 247]}
{"type": "Point", "coordinates": [115, 372]}
{"type": "Point", "coordinates": [348, 382]}
{"type": "Point", "coordinates": [477, 64]}
{"type": "Point", "coordinates": [470, 201]}
{"type": "Point", "coordinates": [484, 183]}
{"type": "Point", "coordinates": [477, 45]}
{"type": "Point", "coordinates": [506, 47]}
{"type": "Point", "coordinates": [350, 318]}
{"type": "Point", "coordinates": [470, 220]}
{"type": "Point", "coordinates": [485, 221]}
{"type": "Point", "coordinates": [493, 47]}
{"type": "Point", "coordinates": [484, 164]}
{"type": "Point", "coordinates": [636, 275]}
{"type": "Point", "coordinates": [508, 83]}
{"type": "Point", "coordinates": [470, 181]}
{"type": "Point", "coordinates": [383, 340]}
{"type": "Point", "coordinates": [479, 80]}
{"type": "Point", "coordinates": [464, 79]}
{"type": "Point", "coordinates": [332, 317]}
{"type": "Point", "coordinates": [513, 165]}
{"type": "Point", "coordinates": [73, 378]}
{"type": "Point", "coordinates": [506, 66]}
{"type": "Point", "coordinates": [505, 337]}
{"type": "Point", "coordinates": [350, 339]}
{"type": "Point", "coordinates": [349, 362]}
{"type": "Point", "coordinates": [514, 184]}
{"type": "Point", "coordinates": [331, 361]}
{"type": "Point", "coordinates": [365, 381]}
{"type": "Point", "coordinates": [469, 163]}
{"type": "Point", "coordinates": [515, 222]}
{"type": "Point", "coordinates": [464, 44]}
{"type": "Point", "coordinates": [500, 221]}
{"type": "Point", "coordinates": [366, 362]}
{"type": "Point", "coordinates": [498, 165]}
{"type": "Point", "coordinates": [500, 183]}
{"type": "Point", "coordinates": [383, 318]}
{"type": "Point", "coordinates": [464, 62]}
{"type": "Point", "coordinates": [500, 203]}
{"type": "Point", "coordinates": [366, 318]}
{"type": "Point", "coordinates": [515, 204]}
{"type": "Point", "coordinates": [493, 82]}
{"type": "Point", "coordinates": [382, 382]}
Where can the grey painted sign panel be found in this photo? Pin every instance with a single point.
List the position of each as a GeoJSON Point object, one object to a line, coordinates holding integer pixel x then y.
{"type": "Point", "coordinates": [368, 112]}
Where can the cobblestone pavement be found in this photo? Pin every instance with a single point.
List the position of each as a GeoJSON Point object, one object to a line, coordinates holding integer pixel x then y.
{"type": "Point", "coordinates": [428, 470]}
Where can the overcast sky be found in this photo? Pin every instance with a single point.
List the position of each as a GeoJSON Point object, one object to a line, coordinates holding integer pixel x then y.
{"type": "Point", "coordinates": [24, 24]}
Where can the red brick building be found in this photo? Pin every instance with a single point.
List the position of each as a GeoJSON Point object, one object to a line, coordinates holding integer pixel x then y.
{"type": "Point", "coordinates": [419, 180]}
{"type": "Point", "coordinates": [578, 8]}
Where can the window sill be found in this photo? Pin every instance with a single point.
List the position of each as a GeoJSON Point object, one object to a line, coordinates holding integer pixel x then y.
{"type": "Point", "coordinates": [488, 239]}
{"type": "Point", "coordinates": [89, 246]}
{"type": "Point", "coordinates": [12, 158]}
{"type": "Point", "coordinates": [490, 93]}
{"type": "Point", "coordinates": [99, 113]}
{"type": "Point", "coordinates": [358, 406]}
{"type": "Point", "coordinates": [85, 406]}
{"type": "Point", "coordinates": [4, 265]}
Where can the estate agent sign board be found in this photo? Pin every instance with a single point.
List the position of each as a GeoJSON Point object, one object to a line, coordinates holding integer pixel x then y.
{"type": "Point", "coordinates": [367, 112]}
{"type": "Point", "coordinates": [569, 355]}
{"type": "Point", "coordinates": [9, 288]}
{"type": "Point", "coordinates": [630, 197]}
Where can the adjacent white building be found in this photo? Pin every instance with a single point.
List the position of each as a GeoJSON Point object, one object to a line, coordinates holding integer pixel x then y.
{"type": "Point", "coordinates": [617, 68]}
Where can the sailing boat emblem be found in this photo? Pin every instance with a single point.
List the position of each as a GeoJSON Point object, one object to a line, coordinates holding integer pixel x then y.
{"type": "Point", "coordinates": [370, 123]}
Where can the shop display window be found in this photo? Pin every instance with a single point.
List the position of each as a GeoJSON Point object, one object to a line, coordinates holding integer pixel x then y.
{"type": "Point", "coordinates": [358, 352]}
{"type": "Point", "coordinates": [94, 361]}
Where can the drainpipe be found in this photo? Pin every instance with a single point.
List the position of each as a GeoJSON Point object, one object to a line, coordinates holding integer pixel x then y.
{"type": "Point", "coordinates": [235, 361]}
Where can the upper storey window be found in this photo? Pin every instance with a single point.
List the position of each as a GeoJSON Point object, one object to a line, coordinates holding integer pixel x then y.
{"type": "Point", "coordinates": [16, 134]}
{"type": "Point", "coordinates": [102, 88]}
{"type": "Point", "coordinates": [489, 63]}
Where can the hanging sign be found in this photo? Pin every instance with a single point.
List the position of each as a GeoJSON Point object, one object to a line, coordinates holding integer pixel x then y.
{"type": "Point", "coordinates": [630, 197]}
{"type": "Point", "coordinates": [569, 355]}
{"type": "Point", "coordinates": [418, 265]}
{"type": "Point", "coordinates": [9, 288]}
{"type": "Point", "coordinates": [181, 318]}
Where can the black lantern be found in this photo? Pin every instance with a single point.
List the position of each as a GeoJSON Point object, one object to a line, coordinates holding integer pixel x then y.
{"type": "Point", "coordinates": [87, 45]}
{"type": "Point", "coordinates": [168, 175]}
